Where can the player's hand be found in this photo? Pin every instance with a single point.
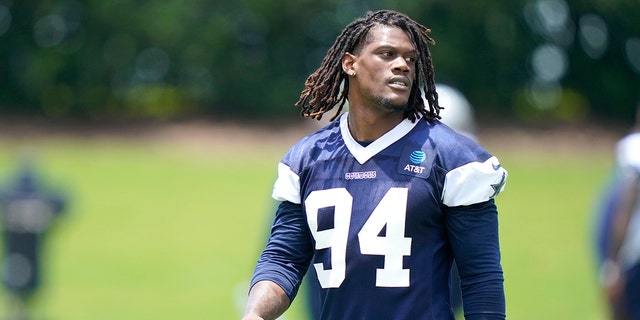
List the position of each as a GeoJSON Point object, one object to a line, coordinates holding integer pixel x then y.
{"type": "Point", "coordinates": [612, 279]}
{"type": "Point", "coordinates": [615, 290]}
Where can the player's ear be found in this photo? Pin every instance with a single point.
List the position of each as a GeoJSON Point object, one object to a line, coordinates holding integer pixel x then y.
{"type": "Point", "coordinates": [348, 61]}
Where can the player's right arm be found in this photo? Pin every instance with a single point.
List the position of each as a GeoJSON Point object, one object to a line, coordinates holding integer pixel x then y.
{"type": "Point", "coordinates": [266, 301]}
{"type": "Point", "coordinates": [282, 264]}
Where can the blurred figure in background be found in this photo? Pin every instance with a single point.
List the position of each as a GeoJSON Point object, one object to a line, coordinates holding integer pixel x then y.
{"type": "Point", "coordinates": [27, 213]}
{"type": "Point", "coordinates": [457, 112]}
{"type": "Point", "coordinates": [619, 231]}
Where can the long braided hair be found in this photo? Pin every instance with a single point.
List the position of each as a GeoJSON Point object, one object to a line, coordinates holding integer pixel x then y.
{"type": "Point", "coordinates": [322, 89]}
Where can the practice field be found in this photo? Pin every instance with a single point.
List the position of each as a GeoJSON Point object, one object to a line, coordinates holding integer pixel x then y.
{"type": "Point", "coordinates": [171, 228]}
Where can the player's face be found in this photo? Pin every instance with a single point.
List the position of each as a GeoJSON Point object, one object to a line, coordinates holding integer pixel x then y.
{"type": "Point", "coordinates": [384, 69]}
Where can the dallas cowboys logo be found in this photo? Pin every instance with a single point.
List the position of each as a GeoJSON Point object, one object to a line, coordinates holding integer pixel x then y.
{"type": "Point", "coordinates": [498, 186]}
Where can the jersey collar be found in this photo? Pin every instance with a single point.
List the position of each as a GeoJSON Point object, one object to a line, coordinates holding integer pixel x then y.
{"type": "Point", "coordinates": [362, 154]}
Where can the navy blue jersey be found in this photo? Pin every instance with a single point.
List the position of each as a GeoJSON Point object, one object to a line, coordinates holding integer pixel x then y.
{"type": "Point", "coordinates": [381, 224]}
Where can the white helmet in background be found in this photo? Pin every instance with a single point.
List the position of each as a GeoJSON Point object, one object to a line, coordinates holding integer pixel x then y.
{"type": "Point", "coordinates": [457, 112]}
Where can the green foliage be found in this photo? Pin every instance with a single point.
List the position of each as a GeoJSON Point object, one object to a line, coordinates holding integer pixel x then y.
{"type": "Point", "coordinates": [172, 59]}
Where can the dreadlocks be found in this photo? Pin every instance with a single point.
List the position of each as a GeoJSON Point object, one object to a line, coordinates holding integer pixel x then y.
{"type": "Point", "coordinates": [323, 87]}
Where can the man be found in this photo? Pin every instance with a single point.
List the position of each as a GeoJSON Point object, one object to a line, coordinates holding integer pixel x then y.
{"type": "Point", "coordinates": [383, 199]}
{"type": "Point", "coordinates": [457, 114]}
{"type": "Point", "coordinates": [620, 270]}
{"type": "Point", "coordinates": [27, 210]}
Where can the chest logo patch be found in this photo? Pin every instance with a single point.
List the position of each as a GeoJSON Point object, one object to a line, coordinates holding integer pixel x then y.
{"type": "Point", "coordinates": [414, 162]}
{"type": "Point", "coordinates": [417, 157]}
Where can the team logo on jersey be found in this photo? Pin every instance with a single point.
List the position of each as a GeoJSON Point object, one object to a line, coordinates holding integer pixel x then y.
{"type": "Point", "coordinates": [498, 186]}
{"type": "Point", "coordinates": [414, 162]}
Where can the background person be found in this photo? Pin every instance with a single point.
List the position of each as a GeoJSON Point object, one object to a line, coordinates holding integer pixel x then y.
{"type": "Point", "coordinates": [619, 237]}
{"type": "Point", "coordinates": [28, 210]}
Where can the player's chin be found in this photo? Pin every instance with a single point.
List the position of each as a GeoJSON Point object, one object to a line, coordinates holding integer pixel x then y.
{"type": "Point", "coordinates": [399, 97]}
{"type": "Point", "coordinates": [395, 105]}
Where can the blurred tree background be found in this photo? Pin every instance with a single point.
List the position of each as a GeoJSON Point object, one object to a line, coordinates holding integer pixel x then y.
{"type": "Point", "coordinates": [535, 61]}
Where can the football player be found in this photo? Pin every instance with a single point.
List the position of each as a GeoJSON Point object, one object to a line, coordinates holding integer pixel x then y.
{"type": "Point", "coordinates": [383, 199]}
{"type": "Point", "coordinates": [619, 232]}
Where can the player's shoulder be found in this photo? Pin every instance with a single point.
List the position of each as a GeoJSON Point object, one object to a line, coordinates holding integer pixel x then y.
{"type": "Point", "coordinates": [310, 146]}
{"type": "Point", "coordinates": [451, 149]}
{"type": "Point", "coordinates": [627, 156]}
{"type": "Point", "coordinates": [629, 141]}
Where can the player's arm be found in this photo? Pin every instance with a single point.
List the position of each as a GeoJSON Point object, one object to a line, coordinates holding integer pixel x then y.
{"type": "Point", "coordinates": [473, 233]}
{"type": "Point", "coordinates": [611, 274]}
{"type": "Point", "coordinates": [471, 219]}
{"type": "Point", "coordinates": [282, 264]}
{"type": "Point", "coordinates": [267, 301]}
{"type": "Point", "coordinates": [624, 209]}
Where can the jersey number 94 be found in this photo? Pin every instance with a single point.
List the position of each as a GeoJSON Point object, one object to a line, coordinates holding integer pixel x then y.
{"type": "Point", "coordinates": [390, 212]}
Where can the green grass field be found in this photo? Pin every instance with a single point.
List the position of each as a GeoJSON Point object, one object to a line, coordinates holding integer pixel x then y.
{"type": "Point", "coordinates": [158, 231]}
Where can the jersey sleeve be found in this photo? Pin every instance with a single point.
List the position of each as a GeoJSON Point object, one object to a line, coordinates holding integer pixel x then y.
{"type": "Point", "coordinates": [627, 156]}
{"type": "Point", "coordinates": [473, 233]}
{"type": "Point", "coordinates": [474, 182]}
{"type": "Point", "coordinates": [287, 185]}
{"type": "Point", "coordinates": [288, 252]}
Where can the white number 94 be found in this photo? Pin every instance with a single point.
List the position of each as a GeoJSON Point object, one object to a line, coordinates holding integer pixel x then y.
{"type": "Point", "coordinates": [390, 212]}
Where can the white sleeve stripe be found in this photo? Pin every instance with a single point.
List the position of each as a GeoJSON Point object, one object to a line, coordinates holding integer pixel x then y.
{"type": "Point", "coordinates": [287, 186]}
{"type": "Point", "coordinates": [473, 183]}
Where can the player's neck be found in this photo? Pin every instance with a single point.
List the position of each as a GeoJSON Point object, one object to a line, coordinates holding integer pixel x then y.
{"type": "Point", "coordinates": [365, 125]}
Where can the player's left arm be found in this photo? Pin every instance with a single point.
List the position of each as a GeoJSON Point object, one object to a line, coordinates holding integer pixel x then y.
{"type": "Point", "coordinates": [472, 223]}
{"type": "Point", "coordinates": [473, 233]}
